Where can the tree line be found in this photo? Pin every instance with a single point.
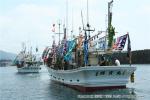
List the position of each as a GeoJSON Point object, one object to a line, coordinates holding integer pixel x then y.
{"type": "Point", "coordinates": [137, 57]}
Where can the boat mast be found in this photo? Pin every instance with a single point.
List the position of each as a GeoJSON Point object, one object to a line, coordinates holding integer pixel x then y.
{"type": "Point", "coordinates": [86, 40]}
{"type": "Point", "coordinates": [111, 29]}
{"type": "Point", "coordinates": [88, 25]}
{"type": "Point", "coordinates": [23, 47]}
{"type": "Point", "coordinates": [59, 32]}
{"type": "Point", "coordinates": [66, 17]}
{"type": "Point", "coordinates": [105, 43]}
{"type": "Point", "coordinates": [87, 14]}
{"type": "Point", "coordinates": [59, 23]}
{"type": "Point", "coordinates": [109, 13]}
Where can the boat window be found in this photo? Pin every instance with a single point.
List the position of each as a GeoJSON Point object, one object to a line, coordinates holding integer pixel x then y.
{"type": "Point", "coordinates": [96, 73]}
{"type": "Point", "coordinates": [119, 73]}
{"type": "Point", "coordinates": [102, 73]}
{"type": "Point", "coordinates": [110, 72]}
{"type": "Point", "coordinates": [123, 73]}
{"type": "Point", "coordinates": [54, 77]}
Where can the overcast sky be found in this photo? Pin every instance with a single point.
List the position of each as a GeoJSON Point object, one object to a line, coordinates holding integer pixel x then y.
{"type": "Point", "coordinates": [30, 21]}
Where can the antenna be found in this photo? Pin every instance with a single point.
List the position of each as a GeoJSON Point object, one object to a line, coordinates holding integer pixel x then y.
{"type": "Point", "coordinates": [82, 20]}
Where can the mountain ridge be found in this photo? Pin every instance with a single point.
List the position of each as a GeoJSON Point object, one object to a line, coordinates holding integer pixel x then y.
{"type": "Point", "coordinates": [4, 55]}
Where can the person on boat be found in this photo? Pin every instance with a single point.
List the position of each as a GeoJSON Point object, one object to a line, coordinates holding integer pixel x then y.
{"type": "Point", "coordinates": [65, 65]}
{"type": "Point", "coordinates": [45, 60]}
{"type": "Point", "coordinates": [102, 61]}
{"type": "Point", "coordinates": [49, 60]}
{"type": "Point", "coordinates": [22, 63]}
{"type": "Point", "coordinates": [17, 63]}
{"type": "Point", "coordinates": [117, 62]}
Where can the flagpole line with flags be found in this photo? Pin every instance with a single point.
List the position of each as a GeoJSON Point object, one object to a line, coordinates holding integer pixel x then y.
{"type": "Point", "coordinates": [53, 49]}
{"type": "Point", "coordinates": [129, 49]}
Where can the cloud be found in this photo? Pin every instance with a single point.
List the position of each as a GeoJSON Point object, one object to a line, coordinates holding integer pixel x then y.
{"type": "Point", "coordinates": [26, 22]}
{"type": "Point", "coordinates": [36, 10]}
{"type": "Point", "coordinates": [144, 10]}
{"type": "Point", "coordinates": [32, 22]}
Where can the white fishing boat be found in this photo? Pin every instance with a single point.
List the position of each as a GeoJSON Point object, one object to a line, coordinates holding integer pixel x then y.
{"type": "Point", "coordinates": [75, 64]}
{"type": "Point", "coordinates": [93, 77]}
{"type": "Point", "coordinates": [34, 68]}
{"type": "Point", "coordinates": [27, 62]}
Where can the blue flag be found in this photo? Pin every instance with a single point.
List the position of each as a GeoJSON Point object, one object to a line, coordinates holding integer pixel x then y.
{"type": "Point", "coordinates": [85, 50]}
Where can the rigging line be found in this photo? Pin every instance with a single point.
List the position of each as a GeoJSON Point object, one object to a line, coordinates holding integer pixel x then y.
{"type": "Point", "coordinates": [87, 12]}
{"type": "Point", "coordinates": [82, 20]}
{"type": "Point", "coordinates": [66, 17]}
{"type": "Point", "coordinates": [72, 25]}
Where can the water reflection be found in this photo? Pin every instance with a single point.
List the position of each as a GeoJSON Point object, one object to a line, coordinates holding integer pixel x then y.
{"type": "Point", "coordinates": [60, 92]}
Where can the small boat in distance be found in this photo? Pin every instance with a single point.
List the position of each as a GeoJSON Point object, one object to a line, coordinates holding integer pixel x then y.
{"type": "Point", "coordinates": [86, 63]}
{"type": "Point", "coordinates": [27, 62]}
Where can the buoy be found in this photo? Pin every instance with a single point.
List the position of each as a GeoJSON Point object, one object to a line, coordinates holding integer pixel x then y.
{"type": "Point", "coordinates": [132, 78]}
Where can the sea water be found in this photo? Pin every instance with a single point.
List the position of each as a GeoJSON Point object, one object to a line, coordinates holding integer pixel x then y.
{"type": "Point", "coordinates": [38, 86]}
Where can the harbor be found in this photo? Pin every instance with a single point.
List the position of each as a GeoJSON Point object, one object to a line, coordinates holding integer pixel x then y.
{"type": "Point", "coordinates": [38, 86]}
{"type": "Point", "coordinates": [85, 49]}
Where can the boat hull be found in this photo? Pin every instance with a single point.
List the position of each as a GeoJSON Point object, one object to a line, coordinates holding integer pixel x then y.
{"type": "Point", "coordinates": [89, 89]}
{"type": "Point", "coordinates": [93, 77]}
{"type": "Point", "coordinates": [29, 69]}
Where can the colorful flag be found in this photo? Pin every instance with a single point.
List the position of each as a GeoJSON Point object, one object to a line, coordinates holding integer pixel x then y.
{"type": "Point", "coordinates": [71, 46]}
{"type": "Point", "coordinates": [80, 40]}
{"type": "Point", "coordinates": [54, 51]}
{"type": "Point", "coordinates": [120, 43]}
{"type": "Point", "coordinates": [85, 50]}
{"type": "Point", "coordinates": [65, 42]}
{"type": "Point", "coordinates": [44, 52]}
{"type": "Point", "coordinates": [101, 43]}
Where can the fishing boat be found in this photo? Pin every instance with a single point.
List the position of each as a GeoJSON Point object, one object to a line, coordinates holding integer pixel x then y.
{"type": "Point", "coordinates": [27, 62]}
{"type": "Point", "coordinates": [86, 63]}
